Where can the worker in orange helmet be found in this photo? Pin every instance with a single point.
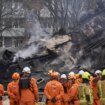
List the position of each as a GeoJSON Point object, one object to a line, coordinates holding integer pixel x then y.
{"type": "Point", "coordinates": [73, 92]}
{"type": "Point", "coordinates": [13, 89]}
{"type": "Point", "coordinates": [28, 88]}
{"type": "Point", "coordinates": [54, 90]}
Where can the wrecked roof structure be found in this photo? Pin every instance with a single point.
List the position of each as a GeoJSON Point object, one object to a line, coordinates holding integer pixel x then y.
{"type": "Point", "coordinates": [8, 66]}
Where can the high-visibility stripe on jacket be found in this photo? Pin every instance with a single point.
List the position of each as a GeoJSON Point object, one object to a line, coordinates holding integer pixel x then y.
{"type": "Point", "coordinates": [101, 89]}
{"type": "Point", "coordinates": [84, 90]}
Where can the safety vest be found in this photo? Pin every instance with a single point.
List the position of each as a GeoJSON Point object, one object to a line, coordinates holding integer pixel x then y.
{"type": "Point", "coordinates": [85, 94]}
{"type": "Point", "coordinates": [101, 89]}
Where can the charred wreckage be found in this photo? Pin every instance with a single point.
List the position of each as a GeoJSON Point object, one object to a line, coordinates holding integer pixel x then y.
{"type": "Point", "coordinates": [8, 66]}
{"type": "Point", "coordinates": [93, 48]}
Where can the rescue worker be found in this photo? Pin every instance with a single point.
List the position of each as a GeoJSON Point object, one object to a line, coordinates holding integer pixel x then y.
{"type": "Point", "coordinates": [71, 73]}
{"type": "Point", "coordinates": [79, 77]}
{"type": "Point", "coordinates": [65, 96]}
{"type": "Point", "coordinates": [1, 93]}
{"type": "Point", "coordinates": [81, 72]}
{"type": "Point", "coordinates": [85, 91]}
{"type": "Point", "coordinates": [13, 89]}
{"type": "Point", "coordinates": [63, 79]}
{"type": "Point", "coordinates": [73, 92]}
{"type": "Point", "coordinates": [94, 83]}
{"type": "Point", "coordinates": [54, 90]}
{"type": "Point", "coordinates": [27, 88]}
{"type": "Point", "coordinates": [101, 88]}
{"type": "Point", "coordinates": [50, 71]}
{"type": "Point", "coordinates": [98, 73]}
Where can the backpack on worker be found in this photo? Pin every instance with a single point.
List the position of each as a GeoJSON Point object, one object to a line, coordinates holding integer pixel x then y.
{"type": "Point", "coordinates": [24, 82]}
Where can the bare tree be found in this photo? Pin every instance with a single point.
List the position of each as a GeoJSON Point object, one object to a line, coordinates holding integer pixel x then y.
{"type": "Point", "coordinates": [11, 17]}
{"type": "Point", "coordinates": [67, 13]}
{"type": "Point", "coordinates": [8, 12]}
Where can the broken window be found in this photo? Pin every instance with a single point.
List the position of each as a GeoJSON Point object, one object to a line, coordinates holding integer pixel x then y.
{"type": "Point", "coordinates": [1, 42]}
{"type": "Point", "coordinates": [7, 42]}
{"type": "Point", "coordinates": [19, 23]}
{"type": "Point", "coordinates": [8, 22]}
{"type": "Point", "coordinates": [18, 42]}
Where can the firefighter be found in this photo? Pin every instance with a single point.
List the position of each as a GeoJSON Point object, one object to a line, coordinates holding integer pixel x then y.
{"type": "Point", "coordinates": [101, 88]}
{"type": "Point", "coordinates": [98, 73]}
{"type": "Point", "coordinates": [73, 92]}
{"type": "Point", "coordinates": [79, 77]}
{"type": "Point", "coordinates": [1, 93]}
{"type": "Point", "coordinates": [13, 89]}
{"type": "Point", "coordinates": [71, 73]}
{"type": "Point", "coordinates": [27, 88]}
{"type": "Point", "coordinates": [63, 79]}
{"type": "Point", "coordinates": [94, 83]}
{"type": "Point", "coordinates": [54, 90]}
{"type": "Point", "coordinates": [85, 91]}
{"type": "Point", "coordinates": [65, 96]}
{"type": "Point", "coordinates": [81, 72]}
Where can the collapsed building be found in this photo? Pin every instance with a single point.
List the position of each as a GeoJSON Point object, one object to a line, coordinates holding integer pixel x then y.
{"type": "Point", "coordinates": [47, 53]}
{"type": "Point", "coordinates": [63, 51]}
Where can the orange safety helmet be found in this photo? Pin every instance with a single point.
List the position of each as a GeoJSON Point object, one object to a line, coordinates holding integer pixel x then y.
{"type": "Point", "coordinates": [55, 74]}
{"type": "Point", "coordinates": [15, 76]}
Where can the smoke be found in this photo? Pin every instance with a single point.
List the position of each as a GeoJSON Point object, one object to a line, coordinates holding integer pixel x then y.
{"type": "Point", "coordinates": [37, 34]}
{"type": "Point", "coordinates": [87, 63]}
{"type": "Point", "coordinates": [28, 52]}
{"type": "Point", "coordinates": [65, 60]}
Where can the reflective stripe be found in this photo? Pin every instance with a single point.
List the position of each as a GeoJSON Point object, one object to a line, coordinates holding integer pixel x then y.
{"type": "Point", "coordinates": [86, 90]}
{"type": "Point", "coordinates": [82, 89]}
{"type": "Point", "coordinates": [100, 89]}
{"type": "Point", "coordinates": [91, 97]}
{"type": "Point", "coordinates": [83, 101]}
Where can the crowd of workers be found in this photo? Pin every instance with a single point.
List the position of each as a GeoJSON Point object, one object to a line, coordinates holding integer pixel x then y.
{"type": "Point", "coordinates": [72, 89]}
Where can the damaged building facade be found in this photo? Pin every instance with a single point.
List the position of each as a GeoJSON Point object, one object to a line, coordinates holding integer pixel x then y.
{"type": "Point", "coordinates": [13, 24]}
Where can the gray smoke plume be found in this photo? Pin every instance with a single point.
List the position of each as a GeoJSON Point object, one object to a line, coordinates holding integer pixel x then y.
{"type": "Point", "coordinates": [81, 15]}
{"type": "Point", "coordinates": [37, 34]}
{"type": "Point", "coordinates": [28, 52]}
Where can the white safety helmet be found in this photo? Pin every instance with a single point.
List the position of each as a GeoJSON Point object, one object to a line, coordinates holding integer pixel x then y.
{"type": "Point", "coordinates": [71, 73]}
{"type": "Point", "coordinates": [64, 76]}
{"type": "Point", "coordinates": [98, 72]}
{"type": "Point", "coordinates": [26, 70]}
{"type": "Point", "coordinates": [81, 72]}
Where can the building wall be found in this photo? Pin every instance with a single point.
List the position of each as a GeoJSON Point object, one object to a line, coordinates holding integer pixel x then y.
{"type": "Point", "coordinates": [12, 37]}
{"type": "Point", "coordinates": [8, 42]}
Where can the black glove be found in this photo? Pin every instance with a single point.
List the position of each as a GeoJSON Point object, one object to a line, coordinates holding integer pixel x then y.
{"type": "Point", "coordinates": [46, 101]}
{"type": "Point", "coordinates": [72, 101]}
{"type": "Point", "coordinates": [65, 89]}
{"type": "Point", "coordinates": [53, 100]}
{"type": "Point", "coordinates": [15, 102]}
{"type": "Point", "coordinates": [98, 95]}
{"type": "Point", "coordinates": [87, 97]}
{"type": "Point", "coordinates": [0, 97]}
